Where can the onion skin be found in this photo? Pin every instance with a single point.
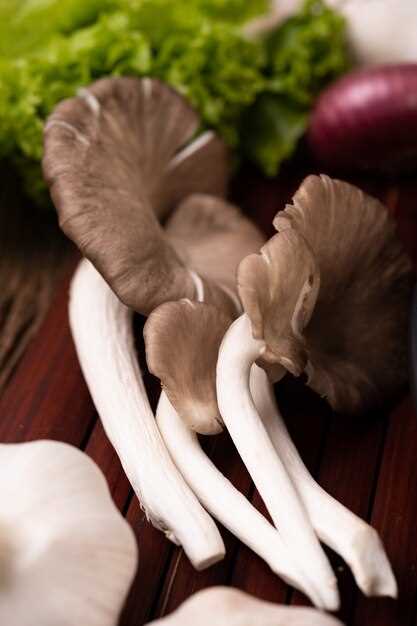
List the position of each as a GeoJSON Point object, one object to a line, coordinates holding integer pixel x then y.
{"type": "Point", "coordinates": [367, 120]}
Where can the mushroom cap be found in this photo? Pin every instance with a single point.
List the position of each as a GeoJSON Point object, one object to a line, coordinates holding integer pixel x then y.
{"type": "Point", "coordinates": [182, 344]}
{"type": "Point", "coordinates": [212, 236]}
{"type": "Point", "coordinates": [278, 288]}
{"type": "Point", "coordinates": [117, 156]}
{"type": "Point", "coordinates": [356, 340]}
{"type": "Point", "coordinates": [67, 556]}
{"type": "Point", "coordinates": [183, 338]}
{"type": "Point", "coordinates": [224, 606]}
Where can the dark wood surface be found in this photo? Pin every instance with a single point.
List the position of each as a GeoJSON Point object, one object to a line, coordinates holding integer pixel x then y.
{"type": "Point", "coordinates": [368, 463]}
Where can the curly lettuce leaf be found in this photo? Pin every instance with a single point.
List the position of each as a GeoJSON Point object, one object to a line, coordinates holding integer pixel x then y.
{"type": "Point", "coordinates": [271, 131]}
{"type": "Point", "coordinates": [28, 24]}
{"type": "Point", "coordinates": [255, 93]}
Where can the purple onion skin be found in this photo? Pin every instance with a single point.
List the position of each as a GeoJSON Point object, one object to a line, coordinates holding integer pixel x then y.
{"type": "Point", "coordinates": [367, 120]}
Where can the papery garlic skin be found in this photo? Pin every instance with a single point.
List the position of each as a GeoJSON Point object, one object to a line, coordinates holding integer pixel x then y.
{"type": "Point", "coordinates": [67, 556]}
{"type": "Point", "coordinates": [225, 606]}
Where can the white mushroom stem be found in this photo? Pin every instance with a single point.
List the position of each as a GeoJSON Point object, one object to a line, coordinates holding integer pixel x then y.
{"type": "Point", "coordinates": [238, 351]}
{"type": "Point", "coordinates": [102, 330]}
{"type": "Point", "coordinates": [223, 500]}
{"type": "Point", "coordinates": [348, 535]}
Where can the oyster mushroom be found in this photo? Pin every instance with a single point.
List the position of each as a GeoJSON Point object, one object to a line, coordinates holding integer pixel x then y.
{"type": "Point", "coordinates": [355, 343]}
{"type": "Point", "coordinates": [111, 175]}
{"type": "Point", "coordinates": [341, 283]}
{"type": "Point", "coordinates": [175, 333]}
{"type": "Point", "coordinates": [223, 606]}
{"type": "Point", "coordinates": [117, 157]}
{"type": "Point", "coordinates": [182, 340]}
{"type": "Point", "coordinates": [102, 330]}
{"type": "Point", "coordinates": [67, 556]}
{"type": "Point", "coordinates": [212, 236]}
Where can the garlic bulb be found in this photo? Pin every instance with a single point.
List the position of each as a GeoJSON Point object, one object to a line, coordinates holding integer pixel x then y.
{"type": "Point", "coordinates": [67, 557]}
{"type": "Point", "coordinates": [224, 606]}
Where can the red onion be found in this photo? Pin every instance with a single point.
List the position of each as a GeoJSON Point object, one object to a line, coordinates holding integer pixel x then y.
{"type": "Point", "coordinates": [368, 120]}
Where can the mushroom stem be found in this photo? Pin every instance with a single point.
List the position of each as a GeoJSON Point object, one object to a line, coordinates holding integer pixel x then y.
{"type": "Point", "coordinates": [223, 500]}
{"type": "Point", "coordinates": [348, 535]}
{"type": "Point", "coordinates": [102, 330]}
{"type": "Point", "coordinates": [238, 351]}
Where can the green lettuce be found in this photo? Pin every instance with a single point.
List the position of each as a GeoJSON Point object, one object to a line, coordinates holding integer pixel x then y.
{"type": "Point", "coordinates": [255, 93]}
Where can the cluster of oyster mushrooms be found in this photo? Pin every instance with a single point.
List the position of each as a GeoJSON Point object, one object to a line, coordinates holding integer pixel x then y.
{"type": "Point", "coordinates": [141, 193]}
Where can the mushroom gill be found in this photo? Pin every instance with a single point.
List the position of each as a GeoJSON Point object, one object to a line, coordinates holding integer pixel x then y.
{"type": "Point", "coordinates": [278, 288]}
{"type": "Point", "coordinates": [118, 157]}
{"type": "Point", "coordinates": [356, 340]}
{"type": "Point", "coordinates": [182, 342]}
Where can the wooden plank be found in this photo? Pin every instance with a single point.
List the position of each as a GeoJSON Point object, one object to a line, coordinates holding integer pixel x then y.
{"type": "Point", "coordinates": [154, 554]}
{"type": "Point", "coordinates": [46, 398]}
{"type": "Point", "coordinates": [394, 515]}
{"type": "Point", "coordinates": [394, 511]}
{"type": "Point", "coordinates": [102, 452]}
{"type": "Point", "coordinates": [348, 464]}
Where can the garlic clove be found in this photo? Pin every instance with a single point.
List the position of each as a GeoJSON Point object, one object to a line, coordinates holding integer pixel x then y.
{"type": "Point", "coordinates": [67, 556]}
{"type": "Point", "coordinates": [223, 606]}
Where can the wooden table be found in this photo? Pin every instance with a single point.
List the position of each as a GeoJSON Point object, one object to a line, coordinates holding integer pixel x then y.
{"type": "Point", "coordinates": [367, 463]}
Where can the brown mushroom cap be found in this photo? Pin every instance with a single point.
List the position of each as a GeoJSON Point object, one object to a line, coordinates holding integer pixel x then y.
{"type": "Point", "coordinates": [356, 340]}
{"type": "Point", "coordinates": [115, 157]}
{"type": "Point", "coordinates": [212, 236]}
{"type": "Point", "coordinates": [183, 338]}
{"type": "Point", "coordinates": [182, 344]}
{"type": "Point", "coordinates": [278, 289]}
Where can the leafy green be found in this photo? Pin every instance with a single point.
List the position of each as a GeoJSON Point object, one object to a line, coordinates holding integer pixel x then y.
{"type": "Point", "coordinates": [27, 24]}
{"type": "Point", "coordinates": [271, 131]}
{"type": "Point", "coordinates": [304, 55]}
{"type": "Point", "coordinates": [255, 93]}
